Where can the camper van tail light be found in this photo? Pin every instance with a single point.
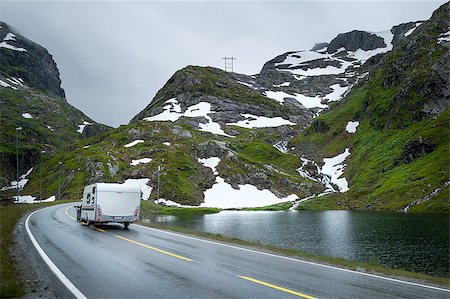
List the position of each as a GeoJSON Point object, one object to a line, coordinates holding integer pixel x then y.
{"type": "Point", "coordinates": [136, 214]}
{"type": "Point", "coordinates": [99, 213]}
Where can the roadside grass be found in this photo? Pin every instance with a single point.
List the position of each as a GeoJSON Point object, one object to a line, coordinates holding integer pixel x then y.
{"type": "Point", "coordinates": [148, 210]}
{"type": "Point", "coordinates": [284, 206]}
{"type": "Point", "coordinates": [11, 285]}
{"type": "Point", "coordinates": [365, 267]}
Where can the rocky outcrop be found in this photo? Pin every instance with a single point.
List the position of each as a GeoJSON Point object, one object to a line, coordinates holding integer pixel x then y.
{"type": "Point", "coordinates": [230, 97]}
{"type": "Point", "coordinates": [96, 171]}
{"type": "Point", "coordinates": [319, 126]}
{"type": "Point", "coordinates": [319, 46]}
{"type": "Point", "coordinates": [402, 31]}
{"type": "Point", "coordinates": [354, 40]}
{"type": "Point", "coordinates": [94, 129]}
{"type": "Point", "coordinates": [34, 65]}
{"type": "Point", "coordinates": [415, 149]}
{"type": "Point", "coordinates": [423, 88]}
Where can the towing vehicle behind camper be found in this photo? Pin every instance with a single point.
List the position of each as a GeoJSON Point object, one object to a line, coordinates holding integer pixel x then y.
{"type": "Point", "coordinates": [103, 203]}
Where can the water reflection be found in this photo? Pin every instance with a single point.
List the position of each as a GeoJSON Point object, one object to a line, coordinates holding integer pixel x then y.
{"type": "Point", "coordinates": [337, 231]}
{"type": "Point", "coordinates": [414, 242]}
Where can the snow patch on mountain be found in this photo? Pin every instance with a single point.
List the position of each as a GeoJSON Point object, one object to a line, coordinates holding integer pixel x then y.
{"type": "Point", "coordinates": [169, 203]}
{"type": "Point", "coordinates": [247, 84]}
{"type": "Point", "coordinates": [140, 161]}
{"type": "Point", "coordinates": [211, 162]}
{"type": "Point", "coordinates": [306, 173]}
{"type": "Point", "coordinates": [4, 84]}
{"type": "Point", "coordinates": [82, 126]}
{"type": "Point", "coordinates": [334, 168]}
{"type": "Point", "coordinates": [407, 33]}
{"type": "Point", "coordinates": [363, 55]}
{"type": "Point", "coordinates": [32, 199]}
{"type": "Point", "coordinates": [304, 63]}
{"type": "Point", "coordinates": [329, 174]}
{"type": "Point", "coordinates": [285, 84]}
{"type": "Point", "coordinates": [172, 112]}
{"type": "Point", "coordinates": [22, 181]}
{"type": "Point", "coordinates": [351, 126]}
{"type": "Point", "coordinates": [297, 63]}
{"type": "Point", "coordinates": [337, 93]}
{"type": "Point", "coordinates": [16, 81]}
{"type": "Point", "coordinates": [282, 146]}
{"type": "Point", "coordinates": [445, 37]}
{"type": "Point", "coordinates": [253, 121]}
{"type": "Point", "coordinates": [10, 37]}
{"type": "Point", "coordinates": [143, 184]}
{"type": "Point", "coordinates": [133, 143]}
{"type": "Point", "coordinates": [248, 196]}
{"type": "Point", "coordinates": [306, 101]}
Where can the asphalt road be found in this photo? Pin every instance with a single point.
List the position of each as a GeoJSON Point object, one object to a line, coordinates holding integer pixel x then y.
{"type": "Point", "coordinates": [110, 262]}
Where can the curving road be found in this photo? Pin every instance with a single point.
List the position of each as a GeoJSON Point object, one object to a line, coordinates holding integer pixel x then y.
{"type": "Point", "coordinates": [110, 262]}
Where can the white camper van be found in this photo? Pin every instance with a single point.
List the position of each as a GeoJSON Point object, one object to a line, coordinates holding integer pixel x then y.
{"type": "Point", "coordinates": [104, 203]}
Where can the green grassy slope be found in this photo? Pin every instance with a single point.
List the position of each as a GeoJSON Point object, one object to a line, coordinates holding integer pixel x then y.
{"type": "Point", "coordinates": [53, 126]}
{"type": "Point", "coordinates": [390, 106]}
{"type": "Point", "coordinates": [183, 179]}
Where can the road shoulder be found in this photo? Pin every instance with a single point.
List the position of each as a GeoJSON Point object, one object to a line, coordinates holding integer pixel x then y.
{"type": "Point", "coordinates": [39, 281]}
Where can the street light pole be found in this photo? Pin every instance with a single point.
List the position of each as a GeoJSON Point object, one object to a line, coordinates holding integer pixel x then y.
{"type": "Point", "coordinates": [59, 180]}
{"type": "Point", "coordinates": [17, 161]}
{"type": "Point", "coordinates": [157, 202]}
{"type": "Point", "coordinates": [78, 188]}
{"type": "Point", "coordinates": [40, 177]}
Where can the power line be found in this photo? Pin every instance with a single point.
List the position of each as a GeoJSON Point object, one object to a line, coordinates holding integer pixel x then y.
{"type": "Point", "coordinates": [229, 63]}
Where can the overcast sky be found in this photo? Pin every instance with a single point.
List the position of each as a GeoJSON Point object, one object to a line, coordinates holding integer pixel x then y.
{"type": "Point", "coordinates": [114, 56]}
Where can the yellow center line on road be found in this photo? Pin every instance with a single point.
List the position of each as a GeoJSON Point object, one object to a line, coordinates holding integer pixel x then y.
{"type": "Point", "coordinates": [276, 287]}
{"type": "Point", "coordinates": [134, 242]}
{"type": "Point", "coordinates": [155, 249]}
{"type": "Point", "coordinates": [67, 213]}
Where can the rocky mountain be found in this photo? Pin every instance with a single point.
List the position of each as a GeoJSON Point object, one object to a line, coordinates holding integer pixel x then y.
{"type": "Point", "coordinates": [228, 97]}
{"type": "Point", "coordinates": [203, 118]}
{"type": "Point", "coordinates": [31, 97]}
{"type": "Point", "coordinates": [392, 127]}
{"type": "Point", "coordinates": [360, 122]}
{"type": "Point", "coordinates": [323, 75]}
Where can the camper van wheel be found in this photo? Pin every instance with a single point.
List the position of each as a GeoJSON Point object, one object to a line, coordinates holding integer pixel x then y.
{"type": "Point", "coordinates": [126, 224]}
{"type": "Point", "coordinates": [78, 215]}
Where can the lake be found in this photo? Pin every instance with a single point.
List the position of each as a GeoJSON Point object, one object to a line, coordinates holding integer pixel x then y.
{"type": "Point", "coordinates": [414, 242]}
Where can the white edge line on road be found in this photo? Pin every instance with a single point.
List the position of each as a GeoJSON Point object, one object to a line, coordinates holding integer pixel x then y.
{"type": "Point", "coordinates": [300, 261]}
{"type": "Point", "coordinates": [69, 285]}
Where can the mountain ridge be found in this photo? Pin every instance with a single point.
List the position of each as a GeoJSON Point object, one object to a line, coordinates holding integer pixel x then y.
{"type": "Point", "coordinates": [357, 126]}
